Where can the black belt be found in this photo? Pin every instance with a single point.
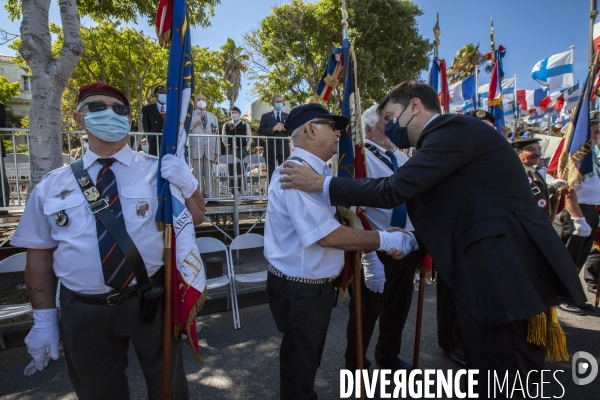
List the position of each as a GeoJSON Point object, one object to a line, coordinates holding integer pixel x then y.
{"type": "Point", "coordinates": [111, 298]}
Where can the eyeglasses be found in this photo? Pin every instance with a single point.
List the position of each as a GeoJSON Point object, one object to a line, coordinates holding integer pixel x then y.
{"type": "Point", "coordinates": [93, 106]}
{"type": "Point", "coordinates": [322, 122]}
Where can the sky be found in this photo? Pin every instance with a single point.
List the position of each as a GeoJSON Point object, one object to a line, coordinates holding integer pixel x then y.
{"type": "Point", "coordinates": [530, 30]}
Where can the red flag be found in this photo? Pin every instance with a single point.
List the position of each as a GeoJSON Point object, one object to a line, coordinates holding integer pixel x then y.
{"type": "Point", "coordinates": [444, 94]}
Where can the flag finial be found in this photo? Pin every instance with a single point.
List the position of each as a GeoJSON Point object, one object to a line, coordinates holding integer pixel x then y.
{"type": "Point", "coordinates": [493, 45]}
{"type": "Point", "coordinates": [436, 34]}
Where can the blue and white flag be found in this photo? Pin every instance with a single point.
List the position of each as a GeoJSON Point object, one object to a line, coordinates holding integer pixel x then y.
{"type": "Point", "coordinates": [508, 89]}
{"type": "Point", "coordinates": [462, 90]}
{"type": "Point", "coordinates": [509, 110]}
{"type": "Point", "coordinates": [555, 71]}
{"type": "Point", "coordinates": [482, 95]}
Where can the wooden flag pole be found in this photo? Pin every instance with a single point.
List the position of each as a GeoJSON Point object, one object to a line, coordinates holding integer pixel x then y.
{"type": "Point", "coordinates": [168, 311]}
{"type": "Point", "coordinates": [358, 326]}
{"type": "Point", "coordinates": [419, 319]}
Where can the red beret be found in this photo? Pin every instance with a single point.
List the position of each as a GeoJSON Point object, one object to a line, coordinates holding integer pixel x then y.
{"type": "Point", "coordinates": [99, 88]}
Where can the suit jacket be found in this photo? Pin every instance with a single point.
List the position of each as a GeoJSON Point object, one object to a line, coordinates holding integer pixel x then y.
{"type": "Point", "coordinates": [468, 196]}
{"type": "Point", "coordinates": [203, 146]}
{"type": "Point", "coordinates": [152, 121]}
{"type": "Point", "coordinates": [268, 121]}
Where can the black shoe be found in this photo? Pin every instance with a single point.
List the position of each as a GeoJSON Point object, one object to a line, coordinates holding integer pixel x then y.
{"type": "Point", "coordinates": [457, 356]}
{"type": "Point", "coordinates": [592, 289]}
{"type": "Point", "coordinates": [570, 308]}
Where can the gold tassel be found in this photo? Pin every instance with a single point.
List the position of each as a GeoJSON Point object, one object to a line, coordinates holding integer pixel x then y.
{"type": "Point", "coordinates": [160, 226]}
{"type": "Point", "coordinates": [556, 342]}
{"type": "Point", "coordinates": [536, 329]}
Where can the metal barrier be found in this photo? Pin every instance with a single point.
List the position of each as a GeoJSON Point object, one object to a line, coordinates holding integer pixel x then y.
{"type": "Point", "coordinates": [229, 179]}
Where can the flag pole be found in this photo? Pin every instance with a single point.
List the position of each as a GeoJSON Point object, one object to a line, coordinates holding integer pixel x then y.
{"type": "Point", "coordinates": [593, 15]}
{"type": "Point", "coordinates": [476, 100]}
{"type": "Point", "coordinates": [168, 314]}
{"type": "Point", "coordinates": [357, 277]}
{"type": "Point", "coordinates": [516, 105]}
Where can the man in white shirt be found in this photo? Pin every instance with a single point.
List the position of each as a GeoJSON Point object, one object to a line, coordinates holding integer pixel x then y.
{"type": "Point", "coordinates": [99, 299]}
{"type": "Point", "coordinates": [204, 150]}
{"type": "Point", "coordinates": [304, 243]}
{"type": "Point", "coordinates": [387, 285]}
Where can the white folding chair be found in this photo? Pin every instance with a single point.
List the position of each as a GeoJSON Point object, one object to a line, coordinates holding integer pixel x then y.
{"type": "Point", "coordinates": [210, 245]}
{"type": "Point", "coordinates": [242, 242]}
{"type": "Point", "coordinates": [255, 178]}
{"type": "Point", "coordinates": [14, 263]}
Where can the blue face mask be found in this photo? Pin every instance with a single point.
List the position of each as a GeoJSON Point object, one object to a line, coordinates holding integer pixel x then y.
{"type": "Point", "coordinates": [278, 106]}
{"type": "Point", "coordinates": [396, 133]}
{"type": "Point", "coordinates": [106, 125]}
{"type": "Point", "coordinates": [162, 98]}
{"type": "Point", "coordinates": [145, 148]}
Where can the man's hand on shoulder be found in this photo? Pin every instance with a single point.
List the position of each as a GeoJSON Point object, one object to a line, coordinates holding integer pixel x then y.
{"type": "Point", "coordinates": [301, 177]}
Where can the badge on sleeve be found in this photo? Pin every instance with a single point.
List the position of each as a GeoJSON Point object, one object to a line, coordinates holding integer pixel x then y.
{"type": "Point", "coordinates": [61, 218]}
{"type": "Point", "coordinates": [142, 209]}
{"type": "Point", "coordinates": [91, 194]}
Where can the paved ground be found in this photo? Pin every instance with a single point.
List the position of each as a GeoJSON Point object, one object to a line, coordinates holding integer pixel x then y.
{"type": "Point", "coordinates": [243, 364]}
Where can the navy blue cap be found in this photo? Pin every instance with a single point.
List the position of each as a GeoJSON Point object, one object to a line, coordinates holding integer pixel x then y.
{"type": "Point", "coordinates": [307, 112]}
{"type": "Point", "coordinates": [520, 143]}
{"type": "Point", "coordinates": [234, 108]}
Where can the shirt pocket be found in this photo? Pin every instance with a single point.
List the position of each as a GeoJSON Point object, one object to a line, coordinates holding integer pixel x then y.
{"type": "Point", "coordinates": [74, 211]}
{"type": "Point", "coordinates": [139, 206]}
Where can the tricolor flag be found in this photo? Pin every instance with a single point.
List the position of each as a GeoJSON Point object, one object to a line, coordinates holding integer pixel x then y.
{"type": "Point", "coordinates": [495, 91]}
{"type": "Point", "coordinates": [553, 102]}
{"type": "Point", "coordinates": [349, 136]}
{"type": "Point", "coordinates": [189, 276]}
{"type": "Point", "coordinates": [331, 76]}
{"type": "Point", "coordinates": [555, 71]}
{"type": "Point", "coordinates": [530, 99]}
{"type": "Point", "coordinates": [462, 90]}
{"type": "Point", "coordinates": [439, 81]}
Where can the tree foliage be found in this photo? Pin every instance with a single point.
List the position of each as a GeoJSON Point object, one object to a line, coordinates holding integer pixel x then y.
{"type": "Point", "coordinates": [199, 11]}
{"type": "Point", "coordinates": [465, 61]}
{"type": "Point", "coordinates": [8, 89]}
{"type": "Point", "coordinates": [289, 50]}
{"type": "Point", "coordinates": [234, 63]}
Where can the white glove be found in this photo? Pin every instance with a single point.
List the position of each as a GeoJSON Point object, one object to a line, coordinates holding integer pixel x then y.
{"type": "Point", "coordinates": [559, 184]}
{"type": "Point", "coordinates": [177, 172]}
{"type": "Point", "coordinates": [397, 240]}
{"type": "Point", "coordinates": [581, 227]}
{"type": "Point", "coordinates": [374, 272]}
{"type": "Point", "coordinates": [43, 334]}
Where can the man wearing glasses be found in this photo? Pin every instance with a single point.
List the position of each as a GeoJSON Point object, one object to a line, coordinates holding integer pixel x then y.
{"type": "Point", "coordinates": [68, 240]}
{"type": "Point", "coordinates": [304, 244]}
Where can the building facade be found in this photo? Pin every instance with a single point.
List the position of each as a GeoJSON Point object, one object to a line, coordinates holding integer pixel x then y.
{"type": "Point", "coordinates": [22, 103]}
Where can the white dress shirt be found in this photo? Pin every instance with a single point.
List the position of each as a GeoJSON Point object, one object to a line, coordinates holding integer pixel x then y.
{"type": "Point", "coordinates": [381, 218]}
{"type": "Point", "coordinates": [295, 221]}
{"type": "Point", "coordinates": [588, 191]}
{"type": "Point", "coordinates": [77, 257]}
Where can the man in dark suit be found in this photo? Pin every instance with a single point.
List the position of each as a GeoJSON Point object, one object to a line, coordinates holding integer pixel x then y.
{"type": "Point", "coordinates": [153, 119]}
{"type": "Point", "coordinates": [271, 124]}
{"type": "Point", "coordinates": [468, 197]}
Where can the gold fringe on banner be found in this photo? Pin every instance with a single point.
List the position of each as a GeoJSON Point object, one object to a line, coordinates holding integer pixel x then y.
{"type": "Point", "coordinates": [536, 329]}
{"type": "Point", "coordinates": [192, 320]}
{"type": "Point", "coordinates": [556, 342]}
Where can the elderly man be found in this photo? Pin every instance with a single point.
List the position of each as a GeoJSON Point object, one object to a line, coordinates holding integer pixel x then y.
{"type": "Point", "coordinates": [204, 150]}
{"type": "Point", "coordinates": [468, 197]}
{"type": "Point", "coordinates": [304, 245]}
{"type": "Point", "coordinates": [387, 285]}
{"type": "Point", "coordinates": [97, 234]}
{"type": "Point", "coordinates": [238, 131]}
{"type": "Point", "coordinates": [578, 222]}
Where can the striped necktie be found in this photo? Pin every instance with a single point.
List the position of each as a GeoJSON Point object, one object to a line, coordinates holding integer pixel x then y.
{"type": "Point", "coordinates": [204, 121]}
{"type": "Point", "coordinates": [162, 112]}
{"type": "Point", "coordinates": [117, 271]}
{"type": "Point", "coordinates": [399, 212]}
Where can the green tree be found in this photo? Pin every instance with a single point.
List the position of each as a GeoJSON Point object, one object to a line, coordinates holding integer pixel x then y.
{"type": "Point", "coordinates": [234, 63]}
{"type": "Point", "coordinates": [465, 61]}
{"type": "Point", "coordinates": [289, 50]}
{"type": "Point", "coordinates": [51, 72]}
{"type": "Point", "coordinates": [208, 78]}
{"type": "Point", "coordinates": [8, 90]}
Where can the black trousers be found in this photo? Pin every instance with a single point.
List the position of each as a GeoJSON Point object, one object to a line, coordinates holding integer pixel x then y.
{"type": "Point", "coordinates": [301, 312]}
{"type": "Point", "coordinates": [503, 349]}
{"type": "Point", "coordinates": [577, 246]}
{"type": "Point", "coordinates": [448, 330]}
{"type": "Point", "coordinates": [391, 307]}
{"type": "Point", "coordinates": [591, 271]}
{"type": "Point", "coordinates": [276, 150]}
{"type": "Point", "coordinates": [96, 339]}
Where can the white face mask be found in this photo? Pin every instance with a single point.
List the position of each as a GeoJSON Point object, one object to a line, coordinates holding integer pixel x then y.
{"type": "Point", "coordinates": [201, 104]}
{"type": "Point", "coordinates": [235, 116]}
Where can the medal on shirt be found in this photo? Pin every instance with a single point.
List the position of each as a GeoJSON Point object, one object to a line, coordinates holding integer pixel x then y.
{"type": "Point", "coordinates": [91, 194]}
{"type": "Point", "coordinates": [61, 218]}
{"type": "Point", "coordinates": [84, 181]}
{"type": "Point", "coordinates": [64, 193]}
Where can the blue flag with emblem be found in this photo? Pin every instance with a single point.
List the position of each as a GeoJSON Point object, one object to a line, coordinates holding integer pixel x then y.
{"type": "Point", "coordinates": [346, 143]}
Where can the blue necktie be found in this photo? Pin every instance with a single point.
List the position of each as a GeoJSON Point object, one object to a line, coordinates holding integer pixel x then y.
{"type": "Point", "coordinates": [399, 213]}
{"type": "Point", "coordinates": [117, 271]}
{"type": "Point", "coordinates": [278, 117]}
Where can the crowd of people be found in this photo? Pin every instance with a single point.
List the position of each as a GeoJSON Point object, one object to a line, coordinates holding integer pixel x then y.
{"type": "Point", "coordinates": [471, 200]}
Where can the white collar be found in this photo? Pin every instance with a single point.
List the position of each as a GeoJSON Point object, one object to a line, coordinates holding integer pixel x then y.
{"type": "Point", "coordinates": [431, 119]}
{"type": "Point", "coordinates": [124, 156]}
{"type": "Point", "coordinates": [315, 162]}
